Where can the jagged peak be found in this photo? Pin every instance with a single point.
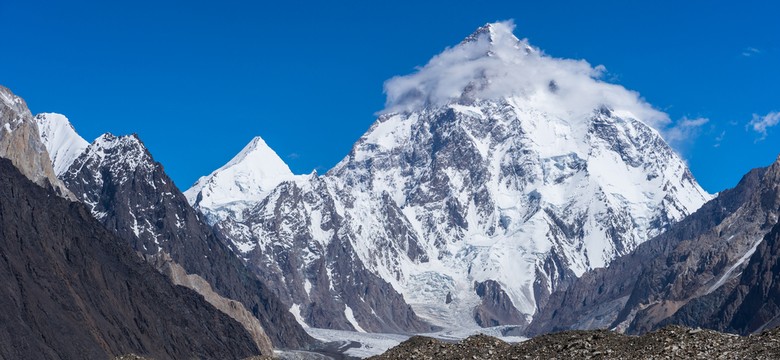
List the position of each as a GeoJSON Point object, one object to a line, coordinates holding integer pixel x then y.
{"type": "Point", "coordinates": [128, 143]}
{"type": "Point", "coordinates": [10, 99]}
{"type": "Point", "coordinates": [119, 153]}
{"type": "Point", "coordinates": [493, 32]}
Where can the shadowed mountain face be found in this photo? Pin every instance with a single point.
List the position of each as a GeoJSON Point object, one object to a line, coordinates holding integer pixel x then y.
{"type": "Point", "coordinates": [752, 305]}
{"type": "Point", "coordinates": [132, 196]}
{"type": "Point", "coordinates": [73, 290]}
{"type": "Point", "coordinates": [714, 269]}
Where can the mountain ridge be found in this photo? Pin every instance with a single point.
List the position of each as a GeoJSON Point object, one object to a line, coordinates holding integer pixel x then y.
{"type": "Point", "coordinates": [73, 290]}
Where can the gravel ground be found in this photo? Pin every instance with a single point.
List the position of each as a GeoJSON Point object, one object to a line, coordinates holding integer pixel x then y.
{"type": "Point", "coordinates": [672, 342]}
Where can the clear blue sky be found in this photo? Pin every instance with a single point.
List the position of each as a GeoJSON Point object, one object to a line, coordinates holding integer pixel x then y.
{"type": "Point", "coordinates": [198, 79]}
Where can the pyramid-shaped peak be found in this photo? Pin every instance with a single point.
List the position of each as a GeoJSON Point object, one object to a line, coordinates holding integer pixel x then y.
{"type": "Point", "coordinates": [493, 32]}
{"type": "Point", "coordinates": [246, 178]}
{"type": "Point", "coordinates": [260, 155]}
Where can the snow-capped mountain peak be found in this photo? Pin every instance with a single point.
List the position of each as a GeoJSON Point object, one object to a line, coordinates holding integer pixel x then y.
{"type": "Point", "coordinates": [245, 179]}
{"type": "Point", "coordinates": [493, 32]}
{"type": "Point", "coordinates": [496, 175]}
{"type": "Point", "coordinates": [62, 142]}
{"type": "Point", "coordinates": [492, 64]}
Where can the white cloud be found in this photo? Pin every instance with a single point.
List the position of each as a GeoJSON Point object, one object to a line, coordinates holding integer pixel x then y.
{"type": "Point", "coordinates": [761, 124]}
{"type": "Point", "coordinates": [719, 138]}
{"type": "Point", "coordinates": [750, 51]}
{"type": "Point", "coordinates": [495, 64]}
{"type": "Point", "coordinates": [683, 130]}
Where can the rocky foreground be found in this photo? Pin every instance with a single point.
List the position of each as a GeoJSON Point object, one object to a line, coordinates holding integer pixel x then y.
{"type": "Point", "coordinates": [672, 342]}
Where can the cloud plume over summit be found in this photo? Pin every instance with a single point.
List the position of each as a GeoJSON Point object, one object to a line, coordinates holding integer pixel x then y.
{"type": "Point", "coordinates": [494, 64]}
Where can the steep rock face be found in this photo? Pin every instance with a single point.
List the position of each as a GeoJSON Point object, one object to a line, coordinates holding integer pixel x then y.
{"type": "Point", "coordinates": [72, 290]}
{"type": "Point", "coordinates": [494, 162]}
{"type": "Point", "coordinates": [131, 195]}
{"type": "Point", "coordinates": [496, 307]}
{"type": "Point", "coordinates": [295, 241]}
{"type": "Point", "coordinates": [755, 303]}
{"type": "Point", "coordinates": [682, 276]}
{"type": "Point", "coordinates": [20, 142]}
{"type": "Point", "coordinates": [751, 304]}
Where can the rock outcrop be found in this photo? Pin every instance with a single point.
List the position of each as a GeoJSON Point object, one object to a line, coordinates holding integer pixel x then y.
{"type": "Point", "coordinates": [20, 142]}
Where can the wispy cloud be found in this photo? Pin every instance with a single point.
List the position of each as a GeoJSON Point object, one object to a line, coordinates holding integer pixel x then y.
{"type": "Point", "coordinates": [750, 51]}
{"type": "Point", "coordinates": [719, 138]}
{"type": "Point", "coordinates": [761, 124]}
{"type": "Point", "coordinates": [684, 130]}
{"type": "Point", "coordinates": [293, 156]}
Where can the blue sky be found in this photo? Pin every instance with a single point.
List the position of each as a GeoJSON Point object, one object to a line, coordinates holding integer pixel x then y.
{"type": "Point", "coordinates": [197, 80]}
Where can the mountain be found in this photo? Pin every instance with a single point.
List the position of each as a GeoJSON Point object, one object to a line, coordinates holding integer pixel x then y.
{"type": "Point", "coordinates": [495, 176]}
{"type": "Point", "coordinates": [244, 180]}
{"type": "Point", "coordinates": [62, 142]}
{"type": "Point", "coordinates": [130, 194]}
{"type": "Point", "coordinates": [20, 142]}
{"type": "Point", "coordinates": [72, 290]}
{"type": "Point", "coordinates": [297, 243]}
{"type": "Point", "coordinates": [713, 269]}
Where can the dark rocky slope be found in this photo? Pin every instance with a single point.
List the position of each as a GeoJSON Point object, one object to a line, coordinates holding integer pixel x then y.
{"type": "Point", "coordinates": [692, 269]}
{"type": "Point", "coordinates": [73, 290]}
{"type": "Point", "coordinates": [132, 196]}
{"type": "Point", "coordinates": [752, 305]}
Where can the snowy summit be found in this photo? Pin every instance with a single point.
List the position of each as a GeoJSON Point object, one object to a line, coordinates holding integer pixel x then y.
{"type": "Point", "coordinates": [245, 179]}
{"type": "Point", "coordinates": [62, 141]}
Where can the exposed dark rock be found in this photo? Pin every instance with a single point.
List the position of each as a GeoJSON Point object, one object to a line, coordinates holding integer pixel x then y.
{"type": "Point", "coordinates": [496, 308]}
{"type": "Point", "coordinates": [73, 290]}
{"type": "Point", "coordinates": [752, 305]}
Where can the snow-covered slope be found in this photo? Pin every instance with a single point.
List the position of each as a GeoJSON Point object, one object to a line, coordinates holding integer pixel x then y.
{"type": "Point", "coordinates": [246, 179]}
{"type": "Point", "coordinates": [61, 140]}
{"type": "Point", "coordinates": [495, 175]}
